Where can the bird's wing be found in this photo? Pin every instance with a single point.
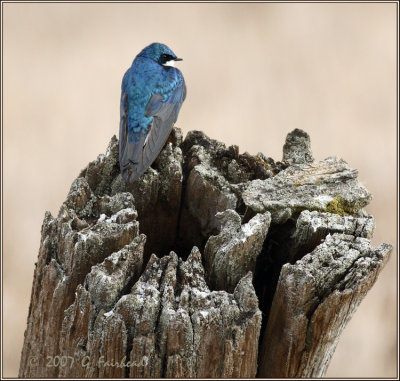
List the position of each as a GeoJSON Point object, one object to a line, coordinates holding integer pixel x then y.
{"type": "Point", "coordinates": [123, 132]}
{"type": "Point", "coordinates": [138, 156]}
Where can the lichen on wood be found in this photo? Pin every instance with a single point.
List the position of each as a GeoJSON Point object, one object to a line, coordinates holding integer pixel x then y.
{"type": "Point", "coordinates": [212, 264]}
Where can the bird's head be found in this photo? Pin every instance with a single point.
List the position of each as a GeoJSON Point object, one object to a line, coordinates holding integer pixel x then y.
{"type": "Point", "coordinates": [160, 53]}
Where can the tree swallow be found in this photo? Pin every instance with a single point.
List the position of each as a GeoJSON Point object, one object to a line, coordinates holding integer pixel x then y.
{"type": "Point", "coordinates": [152, 93]}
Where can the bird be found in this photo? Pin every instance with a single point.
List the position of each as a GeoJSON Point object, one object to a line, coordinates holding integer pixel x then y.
{"type": "Point", "coordinates": [152, 93]}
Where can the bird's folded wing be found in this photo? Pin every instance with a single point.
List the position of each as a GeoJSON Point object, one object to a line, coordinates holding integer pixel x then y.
{"type": "Point", "coordinates": [139, 156]}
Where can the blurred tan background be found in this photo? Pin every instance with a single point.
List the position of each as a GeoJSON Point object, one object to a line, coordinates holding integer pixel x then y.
{"type": "Point", "coordinates": [254, 72]}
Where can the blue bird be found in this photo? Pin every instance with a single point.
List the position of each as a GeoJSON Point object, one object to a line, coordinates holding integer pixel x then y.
{"type": "Point", "coordinates": [152, 93]}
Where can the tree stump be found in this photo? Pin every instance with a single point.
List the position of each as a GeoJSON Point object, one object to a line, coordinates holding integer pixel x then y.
{"type": "Point", "coordinates": [212, 264]}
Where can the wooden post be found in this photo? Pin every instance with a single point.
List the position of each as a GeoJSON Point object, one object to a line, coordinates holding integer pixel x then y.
{"type": "Point", "coordinates": [212, 264]}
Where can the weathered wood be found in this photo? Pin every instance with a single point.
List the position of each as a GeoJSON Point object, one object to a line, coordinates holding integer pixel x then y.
{"type": "Point", "coordinates": [285, 248]}
{"type": "Point", "coordinates": [314, 300]}
{"type": "Point", "coordinates": [229, 255]}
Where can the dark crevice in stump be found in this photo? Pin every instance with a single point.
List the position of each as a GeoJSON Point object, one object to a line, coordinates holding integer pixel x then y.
{"type": "Point", "coordinates": [273, 256]}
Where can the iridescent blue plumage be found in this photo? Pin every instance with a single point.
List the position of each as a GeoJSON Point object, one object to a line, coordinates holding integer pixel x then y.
{"type": "Point", "coordinates": [151, 97]}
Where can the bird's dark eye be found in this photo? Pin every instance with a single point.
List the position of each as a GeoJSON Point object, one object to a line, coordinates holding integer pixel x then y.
{"type": "Point", "coordinates": [165, 58]}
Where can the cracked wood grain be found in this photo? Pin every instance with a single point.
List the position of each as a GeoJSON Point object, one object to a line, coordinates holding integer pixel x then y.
{"type": "Point", "coordinates": [212, 264]}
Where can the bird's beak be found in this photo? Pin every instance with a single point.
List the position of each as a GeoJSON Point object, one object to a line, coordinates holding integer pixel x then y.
{"type": "Point", "coordinates": [172, 62]}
